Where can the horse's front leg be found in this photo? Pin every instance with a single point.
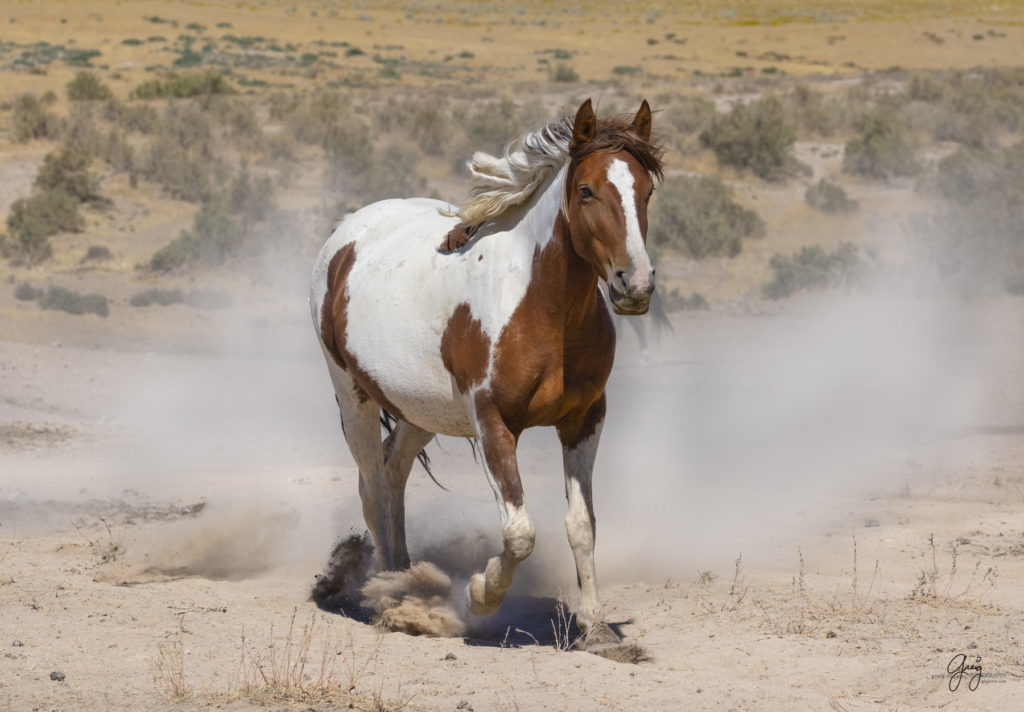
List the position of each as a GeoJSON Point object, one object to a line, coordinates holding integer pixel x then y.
{"type": "Point", "coordinates": [486, 590]}
{"type": "Point", "coordinates": [580, 438]}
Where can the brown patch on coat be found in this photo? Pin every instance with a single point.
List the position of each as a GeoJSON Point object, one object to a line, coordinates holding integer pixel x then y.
{"type": "Point", "coordinates": [554, 357]}
{"type": "Point", "coordinates": [334, 328]}
{"type": "Point", "coordinates": [499, 446]}
{"type": "Point", "coordinates": [334, 310]}
{"type": "Point", "coordinates": [574, 431]}
{"type": "Point", "coordinates": [458, 237]}
{"type": "Point", "coordinates": [465, 349]}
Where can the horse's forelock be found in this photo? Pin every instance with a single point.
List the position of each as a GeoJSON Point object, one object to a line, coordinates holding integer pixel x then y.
{"type": "Point", "coordinates": [616, 133]}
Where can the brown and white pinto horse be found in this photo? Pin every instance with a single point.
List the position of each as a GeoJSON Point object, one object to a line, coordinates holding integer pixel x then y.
{"type": "Point", "coordinates": [488, 325]}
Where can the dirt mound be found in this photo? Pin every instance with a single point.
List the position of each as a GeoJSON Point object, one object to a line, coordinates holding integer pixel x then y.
{"type": "Point", "coordinates": [414, 601]}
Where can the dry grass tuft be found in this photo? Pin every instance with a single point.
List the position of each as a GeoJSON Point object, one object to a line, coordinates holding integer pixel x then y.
{"type": "Point", "coordinates": [940, 590]}
{"type": "Point", "coordinates": [168, 667]}
{"type": "Point", "coordinates": [310, 666]}
{"type": "Point", "coordinates": [106, 547]}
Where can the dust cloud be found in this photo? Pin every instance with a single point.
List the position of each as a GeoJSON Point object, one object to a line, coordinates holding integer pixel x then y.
{"type": "Point", "coordinates": [745, 431]}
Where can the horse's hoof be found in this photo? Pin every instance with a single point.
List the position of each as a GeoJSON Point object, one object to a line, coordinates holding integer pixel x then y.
{"type": "Point", "coordinates": [476, 597]}
{"type": "Point", "coordinates": [597, 637]}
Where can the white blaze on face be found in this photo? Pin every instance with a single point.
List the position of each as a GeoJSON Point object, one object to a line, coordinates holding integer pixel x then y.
{"type": "Point", "coordinates": [621, 177]}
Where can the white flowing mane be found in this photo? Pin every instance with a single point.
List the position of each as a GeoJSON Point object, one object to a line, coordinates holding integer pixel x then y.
{"type": "Point", "coordinates": [501, 183]}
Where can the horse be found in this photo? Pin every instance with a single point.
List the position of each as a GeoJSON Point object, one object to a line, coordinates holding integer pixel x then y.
{"type": "Point", "coordinates": [483, 322]}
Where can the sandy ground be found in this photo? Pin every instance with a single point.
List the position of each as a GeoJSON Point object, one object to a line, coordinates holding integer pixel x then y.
{"type": "Point", "coordinates": [163, 514]}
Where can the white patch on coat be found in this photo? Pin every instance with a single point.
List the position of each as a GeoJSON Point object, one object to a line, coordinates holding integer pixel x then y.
{"type": "Point", "coordinates": [621, 177]}
{"type": "Point", "coordinates": [402, 292]}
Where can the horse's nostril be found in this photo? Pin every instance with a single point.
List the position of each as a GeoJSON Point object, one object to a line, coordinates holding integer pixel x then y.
{"type": "Point", "coordinates": [620, 277]}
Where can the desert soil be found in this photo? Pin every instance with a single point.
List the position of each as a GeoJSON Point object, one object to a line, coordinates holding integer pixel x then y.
{"type": "Point", "coordinates": [157, 501]}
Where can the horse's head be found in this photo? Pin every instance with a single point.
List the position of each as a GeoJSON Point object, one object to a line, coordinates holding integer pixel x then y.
{"type": "Point", "coordinates": [609, 183]}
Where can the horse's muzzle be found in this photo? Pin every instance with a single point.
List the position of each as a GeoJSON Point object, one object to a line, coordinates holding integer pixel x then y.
{"type": "Point", "coordinates": [629, 295]}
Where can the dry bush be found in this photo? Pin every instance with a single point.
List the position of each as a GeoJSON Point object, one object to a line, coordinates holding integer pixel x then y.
{"type": "Point", "coordinates": [311, 666]}
{"type": "Point", "coordinates": [883, 148]}
{"type": "Point", "coordinates": [943, 590]}
{"type": "Point", "coordinates": [175, 86]}
{"type": "Point", "coordinates": [698, 217]}
{"type": "Point", "coordinates": [812, 268]}
{"type": "Point", "coordinates": [757, 137]}
{"type": "Point", "coordinates": [805, 614]}
{"type": "Point", "coordinates": [813, 113]}
{"type": "Point", "coordinates": [168, 668]}
{"type": "Point", "coordinates": [975, 238]}
{"type": "Point", "coordinates": [829, 198]}
{"type": "Point", "coordinates": [86, 86]}
{"type": "Point", "coordinates": [141, 118]}
{"type": "Point", "coordinates": [32, 120]}
{"type": "Point", "coordinates": [107, 547]}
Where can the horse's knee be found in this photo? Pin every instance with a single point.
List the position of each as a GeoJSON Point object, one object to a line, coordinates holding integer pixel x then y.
{"type": "Point", "coordinates": [519, 534]}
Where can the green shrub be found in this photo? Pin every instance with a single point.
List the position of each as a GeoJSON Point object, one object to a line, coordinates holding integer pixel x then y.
{"type": "Point", "coordinates": [160, 297]}
{"type": "Point", "coordinates": [96, 253]}
{"type": "Point", "coordinates": [830, 198]}
{"type": "Point", "coordinates": [756, 137]}
{"type": "Point", "coordinates": [86, 86]}
{"type": "Point", "coordinates": [33, 220]}
{"type": "Point", "coordinates": [133, 117]}
{"type": "Point", "coordinates": [68, 171]}
{"type": "Point", "coordinates": [174, 254]}
{"type": "Point", "coordinates": [976, 237]}
{"type": "Point", "coordinates": [74, 303]}
{"type": "Point", "coordinates": [698, 217]}
{"type": "Point", "coordinates": [183, 172]}
{"type": "Point", "coordinates": [564, 73]}
{"type": "Point", "coordinates": [812, 113]}
{"type": "Point", "coordinates": [224, 224]}
{"type": "Point", "coordinates": [812, 268]}
{"type": "Point", "coordinates": [32, 120]}
{"type": "Point", "coordinates": [25, 292]}
{"type": "Point", "coordinates": [883, 149]}
{"type": "Point", "coordinates": [687, 115]}
{"type": "Point", "coordinates": [189, 85]}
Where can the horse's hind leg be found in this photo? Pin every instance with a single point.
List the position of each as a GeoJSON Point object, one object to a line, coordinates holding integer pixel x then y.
{"type": "Point", "coordinates": [400, 450]}
{"type": "Point", "coordinates": [360, 422]}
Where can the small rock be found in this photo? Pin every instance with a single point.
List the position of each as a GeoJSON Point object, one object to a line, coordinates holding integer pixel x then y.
{"type": "Point", "coordinates": [699, 690]}
{"type": "Point", "coordinates": [962, 540]}
{"type": "Point", "coordinates": [450, 656]}
{"type": "Point", "coordinates": [830, 634]}
{"type": "Point", "coordinates": [58, 676]}
{"type": "Point", "coordinates": [972, 645]}
{"type": "Point", "coordinates": [869, 523]}
{"type": "Point", "coordinates": [464, 705]}
{"type": "Point", "coordinates": [17, 644]}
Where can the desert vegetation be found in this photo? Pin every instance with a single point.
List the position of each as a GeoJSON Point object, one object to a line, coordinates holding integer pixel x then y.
{"type": "Point", "coordinates": [206, 127]}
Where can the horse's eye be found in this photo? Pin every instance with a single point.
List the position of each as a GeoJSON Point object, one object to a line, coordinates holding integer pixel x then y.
{"type": "Point", "coordinates": [649, 194]}
{"type": "Point", "coordinates": [586, 192]}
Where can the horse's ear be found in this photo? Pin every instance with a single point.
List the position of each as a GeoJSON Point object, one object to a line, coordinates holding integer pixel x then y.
{"type": "Point", "coordinates": [584, 128]}
{"type": "Point", "coordinates": [642, 121]}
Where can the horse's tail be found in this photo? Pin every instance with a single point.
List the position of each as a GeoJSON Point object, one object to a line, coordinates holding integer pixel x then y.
{"type": "Point", "coordinates": [387, 421]}
{"type": "Point", "coordinates": [659, 316]}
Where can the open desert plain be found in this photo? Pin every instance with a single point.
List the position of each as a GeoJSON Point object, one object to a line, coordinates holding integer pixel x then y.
{"type": "Point", "coordinates": [810, 487]}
